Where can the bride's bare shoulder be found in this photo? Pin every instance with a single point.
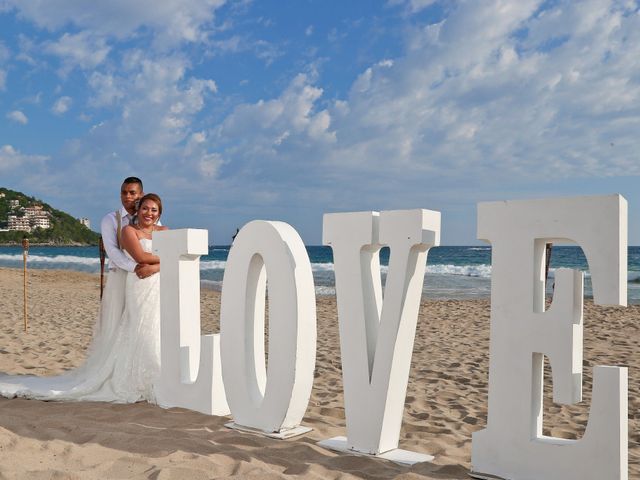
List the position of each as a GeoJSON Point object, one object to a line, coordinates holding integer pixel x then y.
{"type": "Point", "coordinates": [129, 230]}
{"type": "Point", "coordinates": [159, 228]}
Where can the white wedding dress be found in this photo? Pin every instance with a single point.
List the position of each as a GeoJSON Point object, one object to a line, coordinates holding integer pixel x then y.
{"type": "Point", "coordinates": [123, 360]}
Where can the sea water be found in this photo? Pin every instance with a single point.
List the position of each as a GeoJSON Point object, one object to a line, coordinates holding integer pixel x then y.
{"type": "Point", "coordinates": [453, 272]}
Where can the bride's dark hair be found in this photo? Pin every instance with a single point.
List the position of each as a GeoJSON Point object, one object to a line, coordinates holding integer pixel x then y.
{"type": "Point", "coordinates": [154, 198]}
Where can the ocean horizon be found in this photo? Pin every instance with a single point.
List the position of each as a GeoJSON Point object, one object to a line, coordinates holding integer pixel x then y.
{"type": "Point", "coordinates": [453, 272]}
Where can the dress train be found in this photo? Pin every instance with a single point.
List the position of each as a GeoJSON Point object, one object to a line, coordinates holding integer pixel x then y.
{"type": "Point", "coordinates": [123, 360]}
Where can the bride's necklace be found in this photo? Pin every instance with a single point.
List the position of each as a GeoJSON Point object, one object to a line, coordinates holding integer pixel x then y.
{"type": "Point", "coordinates": [148, 232]}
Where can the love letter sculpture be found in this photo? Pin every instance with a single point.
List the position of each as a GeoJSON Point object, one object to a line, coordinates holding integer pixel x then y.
{"type": "Point", "coordinates": [512, 446]}
{"type": "Point", "coordinates": [274, 400]}
{"type": "Point", "coordinates": [191, 373]}
{"type": "Point", "coordinates": [376, 337]}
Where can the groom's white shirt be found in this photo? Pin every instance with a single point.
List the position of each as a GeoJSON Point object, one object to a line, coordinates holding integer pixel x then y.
{"type": "Point", "coordinates": [109, 228]}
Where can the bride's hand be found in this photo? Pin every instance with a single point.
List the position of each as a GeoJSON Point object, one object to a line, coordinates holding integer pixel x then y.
{"type": "Point", "coordinates": [145, 270]}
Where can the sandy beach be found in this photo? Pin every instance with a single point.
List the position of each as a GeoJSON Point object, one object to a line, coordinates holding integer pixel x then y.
{"type": "Point", "coordinates": [446, 399]}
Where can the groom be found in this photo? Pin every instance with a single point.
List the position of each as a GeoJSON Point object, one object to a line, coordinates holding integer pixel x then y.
{"type": "Point", "coordinates": [119, 263]}
{"type": "Point", "coordinates": [114, 222]}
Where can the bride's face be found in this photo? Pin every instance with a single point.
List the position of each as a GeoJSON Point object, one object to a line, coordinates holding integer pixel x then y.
{"type": "Point", "coordinates": [148, 213]}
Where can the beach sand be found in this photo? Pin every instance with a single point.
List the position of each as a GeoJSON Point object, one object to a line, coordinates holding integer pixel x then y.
{"type": "Point", "coordinates": [446, 398]}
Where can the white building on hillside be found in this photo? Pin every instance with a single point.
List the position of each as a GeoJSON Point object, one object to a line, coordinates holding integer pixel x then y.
{"type": "Point", "coordinates": [34, 210]}
{"type": "Point", "coordinates": [40, 222]}
{"type": "Point", "coordinates": [85, 221]}
{"type": "Point", "coordinates": [19, 223]}
{"type": "Point", "coordinates": [34, 217]}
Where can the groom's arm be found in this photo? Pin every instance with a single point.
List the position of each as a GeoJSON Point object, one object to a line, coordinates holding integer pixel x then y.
{"type": "Point", "coordinates": [109, 239]}
{"type": "Point", "coordinates": [144, 270]}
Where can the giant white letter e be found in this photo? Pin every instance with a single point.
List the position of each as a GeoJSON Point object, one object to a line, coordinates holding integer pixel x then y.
{"type": "Point", "coordinates": [512, 446]}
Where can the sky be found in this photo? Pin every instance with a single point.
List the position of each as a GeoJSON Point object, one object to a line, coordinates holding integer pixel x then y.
{"type": "Point", "coordinates": [234, 111]}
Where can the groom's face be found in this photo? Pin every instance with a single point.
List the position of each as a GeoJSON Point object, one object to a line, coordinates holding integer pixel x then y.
{"type": "Point", "coordinates": [130, 193]}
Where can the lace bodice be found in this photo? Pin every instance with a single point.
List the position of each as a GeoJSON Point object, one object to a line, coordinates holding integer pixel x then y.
{"type": "Point", "coordinates": [146, 245]}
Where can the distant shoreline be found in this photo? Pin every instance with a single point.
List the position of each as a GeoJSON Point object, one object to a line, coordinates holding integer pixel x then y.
{"type": "Point", "coordinates": [48, 244]}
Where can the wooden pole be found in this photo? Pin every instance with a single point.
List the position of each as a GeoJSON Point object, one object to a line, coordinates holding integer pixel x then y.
{"type": "Point", "coordinates": [103, 254]}
{"type": "Point", "coordinates": [25, 253]}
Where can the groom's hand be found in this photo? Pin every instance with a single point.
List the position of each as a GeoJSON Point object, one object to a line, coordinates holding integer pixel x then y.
{"type": "Point", "coordinates": [144, 270]}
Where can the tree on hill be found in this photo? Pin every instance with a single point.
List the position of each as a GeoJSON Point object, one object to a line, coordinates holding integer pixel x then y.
{"type": "Point", "coordinates": [64, 230]}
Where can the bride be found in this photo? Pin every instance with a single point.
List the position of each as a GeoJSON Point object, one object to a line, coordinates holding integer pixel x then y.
{"type": "Point", "coordinates": [124, 359]}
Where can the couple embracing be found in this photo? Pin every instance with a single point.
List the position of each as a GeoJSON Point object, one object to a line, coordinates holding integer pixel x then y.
{"type": "Point", "coordinates": [123, 360]}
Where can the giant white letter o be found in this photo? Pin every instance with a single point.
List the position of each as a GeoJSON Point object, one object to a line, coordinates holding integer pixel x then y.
{"type": "Point", "coordinates": [276, 399]}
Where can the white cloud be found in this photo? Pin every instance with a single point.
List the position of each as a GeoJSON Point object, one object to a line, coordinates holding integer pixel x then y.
{"type": "Point", "coordinates": [413, 6]}
{"type": "Point", "coordinates": [498, 90]}
{"type": "Point", "coordinates": [5, 53]}
{"type": "Point", "coordinates": [209, 164]}
{"type": "Point", "coordinates": [173, 21]}
{"type": "Point", "coordinates": [82, 49]}
{"type": "Point", "coordinates": [34, 99]}
{"type": "Point", "coordinates": [159, 104]}
{"type": "Point", "coordinates": [293, 111]}
{"type": "Point", "coordinates": [18, 117]}
{"type": "Point", "coordinates": [62, 105]}
{"type": "Point", "coordinates": [27, 50]}
{"type": "Point", "coordinates": [106, 88]}
{"type": "Point", "coordinates": [10, 158]}
{"type": "Point", "coordinates": [262, 49]}
{"type": "Point", "coordinates": [154, 103]}
{"type": "Point", "coordinates": [233, 44]}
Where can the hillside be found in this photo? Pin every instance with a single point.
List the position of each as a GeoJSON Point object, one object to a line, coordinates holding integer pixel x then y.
{"type": "Point", "coordinates": [63, 230]}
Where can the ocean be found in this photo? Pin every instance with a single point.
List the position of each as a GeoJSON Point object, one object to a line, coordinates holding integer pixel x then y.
{"type": "Point", "coordinates": [452, 272]}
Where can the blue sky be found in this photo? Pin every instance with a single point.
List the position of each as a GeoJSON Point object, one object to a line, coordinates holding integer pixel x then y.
{"type": "Point", "coordinates": [285, 110]}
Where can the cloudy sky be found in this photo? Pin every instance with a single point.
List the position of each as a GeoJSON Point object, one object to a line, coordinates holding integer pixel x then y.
{"type": "Point", "coordinates": [286, 109]}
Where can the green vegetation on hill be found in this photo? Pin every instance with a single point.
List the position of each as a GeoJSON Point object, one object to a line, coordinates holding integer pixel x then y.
{"type": "Point", "coordinates": [65, 229]}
